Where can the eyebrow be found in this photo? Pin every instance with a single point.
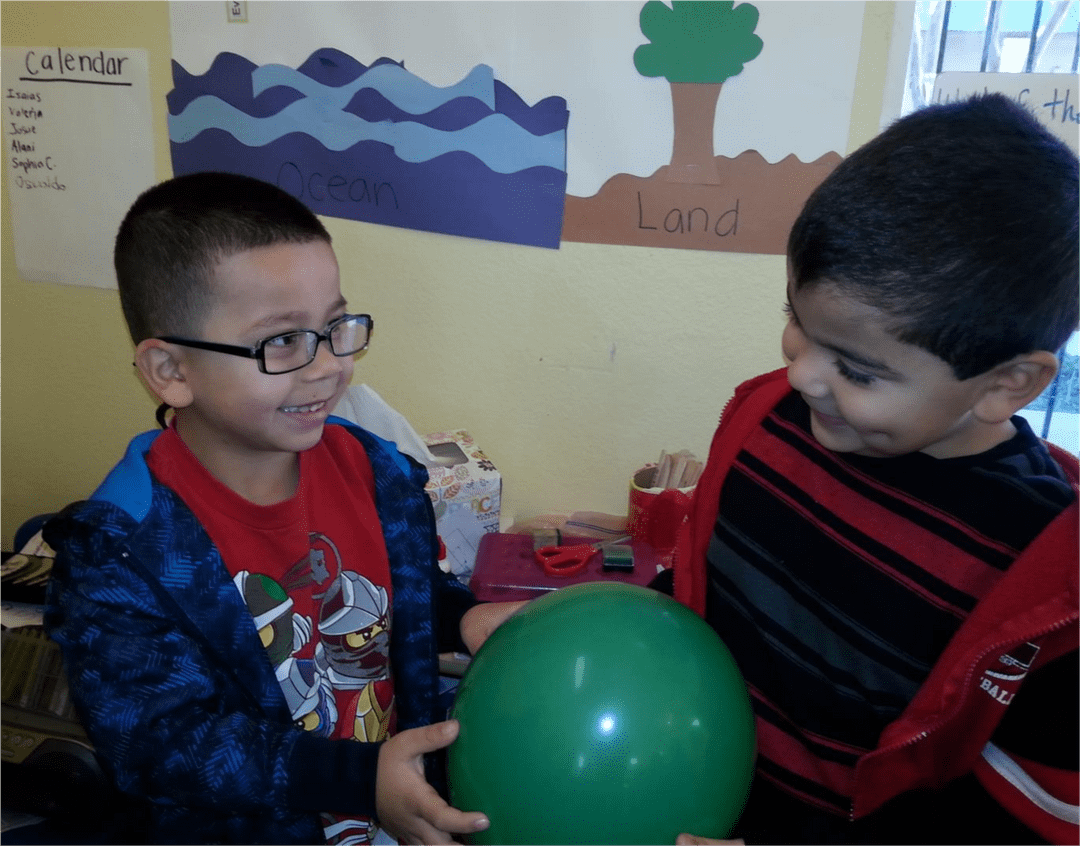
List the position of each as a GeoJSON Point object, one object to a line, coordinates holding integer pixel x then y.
{"type": "Point", "coordinates": [843, 352]}
{"type": "Point", "coordinates": [292, 316]}
{"type": "Point", "coordinates": [862, 361]}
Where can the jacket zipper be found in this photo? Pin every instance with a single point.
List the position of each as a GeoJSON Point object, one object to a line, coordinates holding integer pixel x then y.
{"type": "Point", "coordinates": [964, 694]}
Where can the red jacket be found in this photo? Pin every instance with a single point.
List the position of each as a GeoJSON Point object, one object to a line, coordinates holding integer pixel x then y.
{"type": "Point", "coordinates": [945, 730]}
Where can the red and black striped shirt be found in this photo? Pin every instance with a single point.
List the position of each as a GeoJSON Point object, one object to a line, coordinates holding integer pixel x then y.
{"type": "Point", "coordinates": [837, 580]}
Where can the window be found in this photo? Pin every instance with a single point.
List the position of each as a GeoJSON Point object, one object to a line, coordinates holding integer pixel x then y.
{"type": "Point", "coordinates": [999, 36]}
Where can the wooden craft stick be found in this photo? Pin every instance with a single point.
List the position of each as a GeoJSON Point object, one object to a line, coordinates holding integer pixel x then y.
{"type": "Point", "coordinates": [663, 473]}
{"type": "Point", "coordinates": [675, 480]}
{"type": "Point", "coordinates": [656, 474]}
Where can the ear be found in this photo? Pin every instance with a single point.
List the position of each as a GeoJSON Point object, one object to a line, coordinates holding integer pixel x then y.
{"type": "Point", "coordinates": [1013, 384]}
{"type": "Point", "coordinates": [163, 369]}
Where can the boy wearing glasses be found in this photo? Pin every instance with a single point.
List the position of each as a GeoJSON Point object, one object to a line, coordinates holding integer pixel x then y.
{"type": "Point", "coordinates": [250, 606]}
{"type": "Point", "coordinates": [889, 551]}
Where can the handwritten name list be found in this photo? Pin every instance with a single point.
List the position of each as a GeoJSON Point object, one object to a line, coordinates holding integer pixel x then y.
{"type": "Point", "coordinates": [79, 147]}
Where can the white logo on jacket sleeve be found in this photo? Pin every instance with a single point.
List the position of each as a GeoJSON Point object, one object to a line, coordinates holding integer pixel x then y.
{"type": "Point", "coordinates": [1001, 681]}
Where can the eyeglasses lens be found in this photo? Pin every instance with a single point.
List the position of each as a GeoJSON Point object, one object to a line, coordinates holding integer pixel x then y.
{"type": "Point", "coordinates": [289, 352]}
{"type": "Point", "coordinates": [348, 337]}
{"type": "Point", "coordinates": [294, 350]}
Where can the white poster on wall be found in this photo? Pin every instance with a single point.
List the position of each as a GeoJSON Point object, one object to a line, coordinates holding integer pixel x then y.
{"type": "Point", "coordinates": [794, 98]}
{"type": "Point", "coordinates": [80, 149]}
{"type": "Point", "coordinates": [593, 123]}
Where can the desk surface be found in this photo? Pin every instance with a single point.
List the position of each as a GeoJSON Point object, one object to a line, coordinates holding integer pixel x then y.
{"type": "Point", "coordinates": [506, 569]}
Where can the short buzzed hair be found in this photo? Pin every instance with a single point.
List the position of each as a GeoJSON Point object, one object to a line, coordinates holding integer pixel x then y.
{"type": "Point", "coordinates": [176, 233]}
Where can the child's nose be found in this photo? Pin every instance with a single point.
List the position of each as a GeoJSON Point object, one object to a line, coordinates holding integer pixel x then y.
{"type": "Point", "coordinates": [325, 362]}
{"type": "Point", "coordinates": [805, 378]}
{"type": "Point", "coordinates": [805, 370]}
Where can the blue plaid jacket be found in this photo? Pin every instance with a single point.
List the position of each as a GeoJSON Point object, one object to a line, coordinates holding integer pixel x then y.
{"type": "Point", "coordinates": [173, 685]}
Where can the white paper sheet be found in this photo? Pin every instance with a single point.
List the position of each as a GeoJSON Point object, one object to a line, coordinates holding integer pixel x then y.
{"type": "Point", "coordinates": [80, 149]}
{"type": "Point", "coordinates": [795, 97]}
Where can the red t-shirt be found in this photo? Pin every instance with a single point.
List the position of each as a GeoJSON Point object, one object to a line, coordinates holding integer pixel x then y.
{"type": "Point", "coordinates": [315, 575]}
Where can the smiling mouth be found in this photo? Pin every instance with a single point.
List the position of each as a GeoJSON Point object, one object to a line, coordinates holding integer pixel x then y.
{"type": "Point", "coordinates": [303, 409]}
{"type": "Point", "coordinates": [828, 419]}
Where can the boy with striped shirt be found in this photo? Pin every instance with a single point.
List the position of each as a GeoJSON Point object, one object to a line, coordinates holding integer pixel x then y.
{"type": "Point", "coordinates": [884, 544]}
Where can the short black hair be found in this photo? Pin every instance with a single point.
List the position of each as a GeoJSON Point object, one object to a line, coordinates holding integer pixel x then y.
{"type": "Point", "coordinates": [959, 222]}
{"type": "Point", "coordinates": [175, 233]}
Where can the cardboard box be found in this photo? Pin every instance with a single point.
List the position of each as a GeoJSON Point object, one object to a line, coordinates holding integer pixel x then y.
{"type": "Point", "coordinates": [466, 492]}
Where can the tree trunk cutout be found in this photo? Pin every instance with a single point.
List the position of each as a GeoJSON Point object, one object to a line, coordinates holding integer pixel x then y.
{"type": "Point", "coordinates": [696, 45]}
{"type": "Point", "coordinates": [692, 155]}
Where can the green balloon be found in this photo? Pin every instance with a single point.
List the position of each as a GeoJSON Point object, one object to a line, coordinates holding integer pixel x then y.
{"type": "Point", "coordinates": [602, 713]}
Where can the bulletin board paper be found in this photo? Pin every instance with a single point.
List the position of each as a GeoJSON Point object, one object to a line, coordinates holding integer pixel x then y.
{"type": "Point", "coordinates": [379, 144]}
{"type": "Point", "coordinates": [80, 147]}
{"type": "Point", "coordinates": [793, 99]}
{"type": "Point", "coordinates": [790, 108]}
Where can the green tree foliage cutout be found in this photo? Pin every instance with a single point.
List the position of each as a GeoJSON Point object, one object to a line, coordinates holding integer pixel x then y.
{"type": "Point", "coordinates": [696, 45]}
{"type": "Point", "coordinates": [697, 40]}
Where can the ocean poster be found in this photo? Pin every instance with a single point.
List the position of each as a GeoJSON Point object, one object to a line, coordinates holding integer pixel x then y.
{"type": "Point", "coordinates": [777, 126]}
{"type": "Point", "coordinates": [379, 144]}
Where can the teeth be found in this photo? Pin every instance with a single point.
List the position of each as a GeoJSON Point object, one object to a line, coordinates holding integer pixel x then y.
{"type": "Point", "coordinates": [300, 409]}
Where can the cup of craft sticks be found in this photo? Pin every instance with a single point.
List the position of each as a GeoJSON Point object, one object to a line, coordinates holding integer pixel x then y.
{"type": "Point", "coordinates": [659, 496]}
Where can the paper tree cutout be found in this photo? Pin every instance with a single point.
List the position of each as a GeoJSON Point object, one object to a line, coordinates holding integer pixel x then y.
{"type": "Point", "coordinates": [696, 45]}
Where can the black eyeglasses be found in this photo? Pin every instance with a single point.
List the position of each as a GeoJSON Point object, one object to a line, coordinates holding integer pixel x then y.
{"type": "Point", "coordinates": [289, 351]}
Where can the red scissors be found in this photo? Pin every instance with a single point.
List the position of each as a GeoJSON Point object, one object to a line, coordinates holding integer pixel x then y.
{"type": "Point", "coordinates": [565, 560]}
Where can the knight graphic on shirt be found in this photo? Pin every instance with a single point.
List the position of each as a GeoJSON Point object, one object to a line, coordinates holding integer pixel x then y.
{"type": "Point", "coordinates": [349, 673]}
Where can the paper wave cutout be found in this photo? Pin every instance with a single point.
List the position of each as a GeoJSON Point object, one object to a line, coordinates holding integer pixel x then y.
{"type": "Point", "coordinates": [333, 67]}
{"type": "Point", "coordinates": [229, 76]}
{"type": "Point", "coordinates": [549, 115]}
{"type": "Point", "coordinates": [410, 93]}
{"type": "Point", "coordinates": [454, 194]}
{"type": "Point", "coordinates": [471, 158]}
{"type": "Point", "coordinates": [496, 140]}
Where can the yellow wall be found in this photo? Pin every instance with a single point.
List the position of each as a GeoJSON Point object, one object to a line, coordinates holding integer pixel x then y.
{"type": "Point", "coordinates": [571, 367]}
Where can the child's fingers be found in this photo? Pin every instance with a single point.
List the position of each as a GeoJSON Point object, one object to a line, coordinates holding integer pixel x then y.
{"type": "Point", "coordinates": [433, 821]}
{"type": "Point", "coordinates": [449, 821]}
{"type": "Point", "coordinates": [418, 741]}
{"type": "Point", "coordinates": [438, 735]}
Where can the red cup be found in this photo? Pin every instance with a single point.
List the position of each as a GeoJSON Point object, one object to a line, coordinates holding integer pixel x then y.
{"type": "Point", "coordinates": [655, 514]}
